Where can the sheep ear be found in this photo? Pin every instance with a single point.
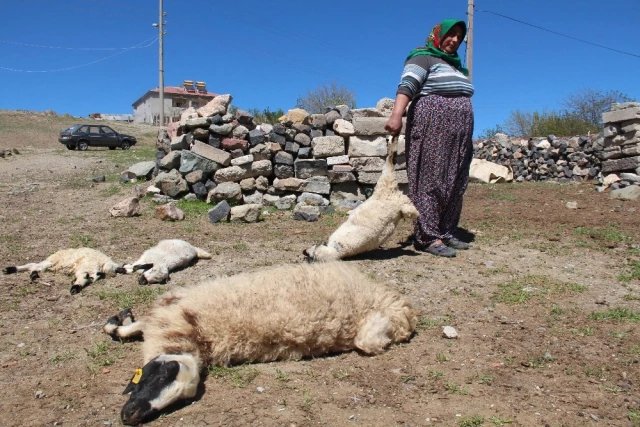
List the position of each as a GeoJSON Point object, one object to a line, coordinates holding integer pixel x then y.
{"type": "Point", "coordinates": [142, 267]}
{"type": "Point", "coordinates": [133, 383]}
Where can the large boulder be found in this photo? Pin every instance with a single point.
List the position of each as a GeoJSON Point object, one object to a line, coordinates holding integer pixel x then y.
{"type": "Point", "coordinates": [295, 116]}
{"type": "Point", "coordinates": [631, 192]}
{"type": "Point", "coordinates": [217, 105]}
{"type": "Point", "coordinates": [142, 169]}
{"type": "Point", "coordinates": [169, 212]}
{"type": "Point", "coordinates": [126, 208]}
{"type": "Point", "coordinates": [172, 184]}
{"type": "Point", "coordinates": [246, 213]}
{"type": "Point", "coordinates": [190, 161]}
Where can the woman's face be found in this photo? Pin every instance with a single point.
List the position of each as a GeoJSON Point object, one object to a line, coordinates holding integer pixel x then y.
{"type": "Point", "coordinates": [451, 41]}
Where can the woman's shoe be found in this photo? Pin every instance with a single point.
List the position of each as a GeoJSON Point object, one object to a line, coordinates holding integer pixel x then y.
{"type": "Point", "coordinates": [456, 244]}
{"type": "Point", "coordinates": [439, 249]}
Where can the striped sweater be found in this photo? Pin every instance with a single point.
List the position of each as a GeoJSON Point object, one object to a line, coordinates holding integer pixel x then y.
{"type": "Point", "coordinates": [426, 75]}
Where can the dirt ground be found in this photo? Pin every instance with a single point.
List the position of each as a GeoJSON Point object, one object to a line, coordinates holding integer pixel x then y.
{"type": "Point", "coordinates": [546, 304]}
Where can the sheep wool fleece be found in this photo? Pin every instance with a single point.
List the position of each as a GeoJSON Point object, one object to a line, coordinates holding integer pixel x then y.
{"type": "Point", "coordinates": [439, 153]}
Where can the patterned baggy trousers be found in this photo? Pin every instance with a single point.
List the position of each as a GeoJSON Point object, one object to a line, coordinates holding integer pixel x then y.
{"type": "Point", "coordinates": [439, 153]}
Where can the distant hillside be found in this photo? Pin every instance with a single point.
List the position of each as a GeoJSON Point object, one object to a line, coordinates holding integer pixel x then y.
{"type": "Point", "coordinates": [33, 129]}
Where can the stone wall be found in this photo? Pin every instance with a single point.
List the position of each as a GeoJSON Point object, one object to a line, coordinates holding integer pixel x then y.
{"type": "Point", "coordinates": [330, 160]}
{"type": "Point", "coordinates": [560, 159]}
{"type": "Point", "coordinates": [315, 162]}
{"type": "Point", "coordinates": [621, 152]}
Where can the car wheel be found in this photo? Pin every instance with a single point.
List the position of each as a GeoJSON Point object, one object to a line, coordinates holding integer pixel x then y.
{"type": "Point", "coordinates": [125, 145]}
{"type": "Point", "coordinates": [71, 147]}
{"type": "Point", "coordinates": [83, 145]}
{"type": "Point", "coordinates": [112, 148]}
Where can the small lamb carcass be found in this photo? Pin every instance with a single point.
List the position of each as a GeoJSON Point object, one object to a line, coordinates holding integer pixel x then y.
{"type": "Point", "coordinates": [370, 224]}
{"type": "Point", "coordinates": [168, 255]}
{"type": "Point", "coordinates": [286, 312]}
{"type": "Point", "coordinates": [88, 265]}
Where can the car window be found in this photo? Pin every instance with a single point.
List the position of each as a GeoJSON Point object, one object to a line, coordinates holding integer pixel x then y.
{"type": "Point", "coordinates": [107, 130]}
{"type": "Point", "coordinates": [94, 129]}
{"type": "Point", "coordinates": [84, 129]}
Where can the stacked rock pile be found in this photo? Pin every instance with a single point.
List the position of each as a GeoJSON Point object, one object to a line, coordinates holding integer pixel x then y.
{"type": "Point", "coordinates": [544, 159]}
{"type": "Point", "coordinates": [621, 153]}
{"type": "Point", "coordinates": [310, 162]}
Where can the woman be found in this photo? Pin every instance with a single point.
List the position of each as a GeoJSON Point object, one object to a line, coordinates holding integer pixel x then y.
{"type": "Point", "coordinates": [439, 135]}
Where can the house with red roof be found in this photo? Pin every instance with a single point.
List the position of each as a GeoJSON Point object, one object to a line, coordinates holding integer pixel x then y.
{"type": "Point", "coordinates": [146, 109]}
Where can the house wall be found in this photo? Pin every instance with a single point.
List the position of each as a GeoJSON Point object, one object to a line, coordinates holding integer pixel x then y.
{"type": "Point", "coordinates": [148, 111]}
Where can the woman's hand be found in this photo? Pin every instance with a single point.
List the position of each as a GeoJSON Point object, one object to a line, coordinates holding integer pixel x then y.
{"type": "Point", "coordinates": [393, 125]}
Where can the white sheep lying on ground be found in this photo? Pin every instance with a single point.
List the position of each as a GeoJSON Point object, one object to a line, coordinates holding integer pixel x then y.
{"type": "Point", "coordinates": [286, 312]}
{"type": "Point", "coordinates": [370, 224]}
{"type": "Point", "coordinates": [167, 256]}
{"type": "Point", "coordinates": [88, 265]}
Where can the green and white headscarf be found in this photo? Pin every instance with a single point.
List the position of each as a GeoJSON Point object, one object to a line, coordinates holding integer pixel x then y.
{"type": "Point", "coordinates": [432, 44]}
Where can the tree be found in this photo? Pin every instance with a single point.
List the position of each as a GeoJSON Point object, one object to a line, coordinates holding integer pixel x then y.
{"type": "Point", "coordinates": [560, 123]}
{"type": "Point", "coordinates": [266, 115]}
{"type": "Point", "coordinates": [489, 133]}
{"type": "Point", "coordinates": [587, 105]}
{"type": "Point", "coordinates": [519, 123]}
{"type": "Point", "coordinates": [582, 114]}
{"type": "Point", "coordinates": [326, 96]}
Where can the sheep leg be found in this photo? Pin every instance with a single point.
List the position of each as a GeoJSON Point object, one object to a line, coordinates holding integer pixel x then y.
{"type": "Point", "coordinates": [32, 267]}
{"type": "Point", "coordinates": [374, 334]}
{"type": "Point", "coordinates": [123, 325]}
{"type": "Point", "coordinates": [202, 254]}
{"type": "Point", "coordinates": [83, 279]}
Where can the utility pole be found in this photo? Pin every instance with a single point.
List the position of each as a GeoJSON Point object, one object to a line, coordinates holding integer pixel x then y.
{"type": "Point", "coordinates": [161, 33]}
{"type": "Point", "coordinates": [470, 37]}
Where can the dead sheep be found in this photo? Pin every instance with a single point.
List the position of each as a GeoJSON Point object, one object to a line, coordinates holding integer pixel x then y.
{"type": "Point", "coordinates": [88, 265]}
{"type": "Point", "coordinates": [291, 311]}
{"type": "Point", "coordinates": [167, 256]}
{"type": "Point", "coordinates": [370, 224]}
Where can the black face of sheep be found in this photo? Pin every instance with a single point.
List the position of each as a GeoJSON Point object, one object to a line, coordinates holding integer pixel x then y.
{"type": "Point", "coordinates": [154, 390]}
{"type": "Point", "coordinates": [308, 254]}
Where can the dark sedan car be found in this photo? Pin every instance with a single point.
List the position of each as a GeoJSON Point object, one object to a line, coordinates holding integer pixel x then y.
{"type": "Point", "coordinates": [85, 136]}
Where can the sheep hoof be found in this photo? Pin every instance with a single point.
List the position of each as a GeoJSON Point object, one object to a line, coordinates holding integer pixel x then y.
{"type": "Point", "coordinates": [75, 289]}
{"type": "Point", "coordinates": [121, 270]}
{"type": "Point", "coordinates": [33, 276]}
{"type": "Point", "coordinates": [123, 318]}
{"type": "Point", "coordinates": [142, 280]}
{"type": "Point", "coordinates": [100, 276]}
{"type": "Point", "coordinates": [9, 270]}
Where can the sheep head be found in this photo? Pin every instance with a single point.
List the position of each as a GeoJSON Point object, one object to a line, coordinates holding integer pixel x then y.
{"type": "Point", "coordinates": [309, 253]}
{"type": "Point", "coordinates": [409, 211]}
{"type": "Point", "coordinates": [163, 381]}
{"type": "Point", "coordinates": [156, 274]}
{"type": "Point", "coordinates": [320, 253]}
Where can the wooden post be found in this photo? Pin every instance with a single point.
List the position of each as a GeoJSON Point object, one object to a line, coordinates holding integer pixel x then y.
{"type": "Point", "coordinates": [161, 64]}
{"type": "Point", "coordinates": [470, 37]}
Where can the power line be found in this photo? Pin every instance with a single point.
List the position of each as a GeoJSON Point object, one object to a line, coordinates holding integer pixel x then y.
{"type": "Point", "coordinates": [76, 48]}
{"type": "Point", "coordinates": [559, 34]}
{"type": "Point", "coordinates": [82, 65]}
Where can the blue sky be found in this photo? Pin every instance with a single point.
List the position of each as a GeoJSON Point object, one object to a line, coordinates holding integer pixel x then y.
{"type": "Point", "coordinates": [266, 54]}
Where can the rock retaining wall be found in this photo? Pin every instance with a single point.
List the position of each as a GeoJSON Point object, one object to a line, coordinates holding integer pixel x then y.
{"type": "Point", "coordinates": [544, 159]}
{"type": "Point", "coordinates": [314, 162]}
{"type": "Point", "coordinates": [332, 159]}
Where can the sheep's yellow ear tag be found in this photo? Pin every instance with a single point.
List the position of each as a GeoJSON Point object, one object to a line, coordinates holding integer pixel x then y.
{"type": "Point", "coordinates": [137, 376]}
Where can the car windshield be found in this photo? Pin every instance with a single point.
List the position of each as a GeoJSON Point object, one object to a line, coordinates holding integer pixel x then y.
{"type": "Point", "coordinates": [71, 129]}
